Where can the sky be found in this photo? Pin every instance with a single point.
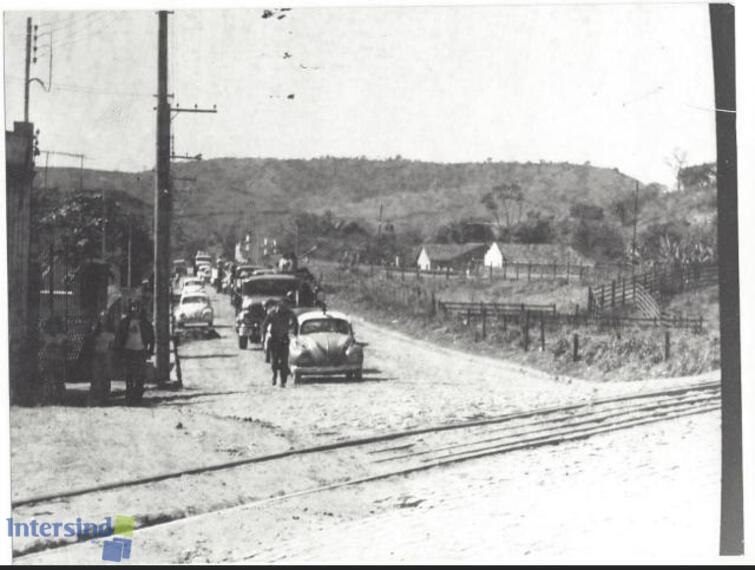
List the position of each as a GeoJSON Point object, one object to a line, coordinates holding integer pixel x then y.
{"type": "Point", "coordinates": [622, 86]}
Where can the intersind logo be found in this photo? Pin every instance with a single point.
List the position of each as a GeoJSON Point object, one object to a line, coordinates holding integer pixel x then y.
{"type": "Point", "coordinates": [120, 527]}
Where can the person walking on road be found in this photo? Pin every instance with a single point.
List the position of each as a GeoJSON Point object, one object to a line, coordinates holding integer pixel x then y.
{"type": "Point", "coordinates": [276, 326]}
{"type": "Point", "coordinates": [134, 342]}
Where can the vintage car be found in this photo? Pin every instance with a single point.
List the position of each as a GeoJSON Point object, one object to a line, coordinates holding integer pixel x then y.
{"type": "Point", "coordinates": [257, 290]}
{"type": "Point", "coordinates": [192, 284]}
{"type": "Point", "coordinates": [194, 310]}
{"type": "Point", "coordinates": [244, 272]}
{"type": "Point", "coordinates": [204, 271]}
{"type": "Point", "coordinates": [324, 345]}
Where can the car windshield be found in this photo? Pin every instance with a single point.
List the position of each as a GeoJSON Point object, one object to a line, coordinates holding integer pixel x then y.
{"type": "Point", "coordinates": [269, 287]}
{"type": "Point", "coordinates": [325, 325]}
{"type": "Point", "coordinates": [193, 299]}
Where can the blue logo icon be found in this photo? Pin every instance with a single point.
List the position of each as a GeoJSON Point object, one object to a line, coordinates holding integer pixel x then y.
{"type": "Point", "coordinates": [119, 548]}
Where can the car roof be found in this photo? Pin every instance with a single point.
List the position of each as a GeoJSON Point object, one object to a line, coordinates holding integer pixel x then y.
{"type": "Point", "coordinates": [273, 277]}
{"type": "Point", "coordinates": [312, 315]}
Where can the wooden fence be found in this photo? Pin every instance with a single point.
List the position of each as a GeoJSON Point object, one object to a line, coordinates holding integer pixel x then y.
{"type": "Point", "coordinates": [509, 271]}
{"type": "Point", "coordinates": [515, 313]}
{"type": "Point", "coordinates": [659, 283]}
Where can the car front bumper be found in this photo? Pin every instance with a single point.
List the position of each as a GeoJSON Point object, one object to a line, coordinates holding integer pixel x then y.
{"type": "Point", "coordinates": [325, 370]}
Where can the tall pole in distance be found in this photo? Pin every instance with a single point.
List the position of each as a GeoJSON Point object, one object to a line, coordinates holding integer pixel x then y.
{"type": "Point", "coordinates": [130, 245]}
{"type": "Point", "coordinates": [28, 70]}
{"type": "Point", "coordinates": [634, 230]}
{"type": "Point", "coordinates": [162, 209]}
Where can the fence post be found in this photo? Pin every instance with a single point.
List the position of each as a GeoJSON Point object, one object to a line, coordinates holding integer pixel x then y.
{"type": "Point", "coordinates": [554, 270]}
{"type": "Point", "coordinates": [526, 335]}
{"type": "Point", "coordinates": [602, 298]}
{"type": "Point", "coordinates": [484, 321]}
{"type": "Point", "coordinates": [529, 271]}
{"type": "Point", "coordinates": [432, 304]}
{"type": "Point", "coordinates": [667, 346]}
{"type": "Point", "coordinates": [575, 349]}
{"type": "Point", "coordinates": [504, 269]}
{"type": "Point", "coordinates": [491, 271]}
{"type": "Point", "coordinates": [504, 322]}
{"type": "Point", "coordinates": [613, 294]}
{"type": "Point", "coordinates": [517, 271]}
{"type": "Point", "coordinates": [581, 271]}
{"type": "Point", "coordinates": [448, 272]}
{"type": "Point", "coordinates": [469, 317]}
{"type": "Point", "coordinates": [403, 276]}
{"type": "Point", "coordinates": [568, 270]}
{"type": "Point", "coordinates": [576, 314]}
{"type": "Point", "coordinates": [542, 332]}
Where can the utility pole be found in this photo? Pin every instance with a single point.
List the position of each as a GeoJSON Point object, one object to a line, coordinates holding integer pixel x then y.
{"type": "Point", "coordinates": [164, 201]}
{"type": "Point", "coordinates": [162, 208]}
{"type": "Point", "coordinates": [130, 245]}
{"type": "Point", "coordinates": [28, 70]}
{"type": "Point", "coordinates": [104, 224]}
{"type": "Point", "coordinates": [634, 230]}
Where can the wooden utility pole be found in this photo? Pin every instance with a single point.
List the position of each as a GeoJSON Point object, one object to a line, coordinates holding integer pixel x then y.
{"type": "Point", "coordinates": [28, 70]}
{"type": "Point", "coordinates": [724, 74]}
{"type": "Point", "coordinates": [130, 245]}
{"type": "Point", "coordinates": [634, 229]}
{"type": "Point", "coordinates": [162, 208]}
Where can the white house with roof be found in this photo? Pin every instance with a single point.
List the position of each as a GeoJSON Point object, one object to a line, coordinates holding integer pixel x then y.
{"type": "Point", "coordinates": [457, 256]}
{"type": "Point", "coordinates": [536, 253]}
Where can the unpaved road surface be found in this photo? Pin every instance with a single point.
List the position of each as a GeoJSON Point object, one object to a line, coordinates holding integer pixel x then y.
{"type": "Point", "coordinates": [229, 410]}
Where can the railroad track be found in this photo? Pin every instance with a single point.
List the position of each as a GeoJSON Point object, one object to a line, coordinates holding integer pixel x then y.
{"type": "Point", "coordinates": [374, 458]}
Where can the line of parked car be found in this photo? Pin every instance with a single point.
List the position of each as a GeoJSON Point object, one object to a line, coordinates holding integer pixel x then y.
{"type": "Point", "coordinates": [322, 341]}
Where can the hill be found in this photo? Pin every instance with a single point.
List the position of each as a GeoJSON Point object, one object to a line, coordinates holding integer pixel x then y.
{"type": "Point", "coordinates": [218, 197]}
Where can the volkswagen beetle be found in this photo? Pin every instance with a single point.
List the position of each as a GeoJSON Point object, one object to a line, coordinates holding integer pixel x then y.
{"type": "Point", "coordinates": [324, 345]}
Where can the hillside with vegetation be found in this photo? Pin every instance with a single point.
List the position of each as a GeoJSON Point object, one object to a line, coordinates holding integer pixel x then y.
{"type": "Point", "coordinates": [338, 204]}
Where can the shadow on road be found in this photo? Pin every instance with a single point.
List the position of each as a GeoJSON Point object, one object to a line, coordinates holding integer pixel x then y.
{"type": "Point", "coordinates": [78, 397]}
{"type": "Point", "coordinates": [216, 355]}
{"type": "Point", "coordinates": [368, 375]}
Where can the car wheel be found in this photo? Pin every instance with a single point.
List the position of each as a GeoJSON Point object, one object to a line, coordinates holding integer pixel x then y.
{"type": "Point", "coordinates": [358, 374]}
{"type": "Point", "coordinates": [242, 342]}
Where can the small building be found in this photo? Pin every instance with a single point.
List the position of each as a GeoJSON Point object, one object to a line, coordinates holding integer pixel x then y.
{"type": "Point", "coordinates": [455, 256]}
{"type": "Point", "coordinates": [535, 253]}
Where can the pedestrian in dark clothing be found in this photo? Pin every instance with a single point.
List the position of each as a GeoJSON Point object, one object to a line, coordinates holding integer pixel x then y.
{"type": "Point", "coordinates": [134, 343]}
{"type": "Point", "coordinates": [100, 351]}
{"type": "Point", "coordinates": [277, 324]}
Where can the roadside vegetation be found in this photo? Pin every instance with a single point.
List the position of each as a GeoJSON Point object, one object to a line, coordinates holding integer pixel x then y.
{"type": "Point", "coordinates": [629, 353]}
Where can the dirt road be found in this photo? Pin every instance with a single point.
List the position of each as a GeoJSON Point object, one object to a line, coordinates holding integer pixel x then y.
{"type": "Point", "coordinates": [230, 410]}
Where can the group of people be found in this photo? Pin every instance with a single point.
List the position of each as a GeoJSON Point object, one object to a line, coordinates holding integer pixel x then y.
{"type": "Point", "coordinates": [125, 347]}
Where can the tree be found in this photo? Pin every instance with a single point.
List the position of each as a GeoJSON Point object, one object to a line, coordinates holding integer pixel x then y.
{"type": "Point", "coordinates": [702, 176]}
{"type": "Point", "coordinates": [76, 223]}
{"type": "Point", "coordinates": [505, 200]}
{"type": "Point", "coordinates": [536, 228]}
{"type": "Point", "coordinates": [677, 161]}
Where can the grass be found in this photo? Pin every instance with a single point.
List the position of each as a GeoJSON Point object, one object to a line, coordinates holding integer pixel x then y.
{"type": "Point", "coordinates": [604, 355]}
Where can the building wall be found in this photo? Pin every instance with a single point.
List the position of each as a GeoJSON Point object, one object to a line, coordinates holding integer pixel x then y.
{"type": "Point", "coordinates": [423, 260]}
{"type": "Point", "coordinates": [493, 256]}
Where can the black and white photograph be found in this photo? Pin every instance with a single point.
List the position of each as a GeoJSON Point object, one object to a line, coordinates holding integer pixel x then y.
{"type": "Point", "coordinates": [361, 284]}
